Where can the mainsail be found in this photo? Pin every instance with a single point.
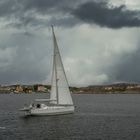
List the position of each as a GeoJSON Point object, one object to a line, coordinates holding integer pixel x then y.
{"type": "Point", "coordinates": [60, 93]}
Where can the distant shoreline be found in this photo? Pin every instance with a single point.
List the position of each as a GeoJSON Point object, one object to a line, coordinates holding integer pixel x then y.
{"type": "Point", "coordinates": [80, 93]}
{"type": "Point", "coordinates": [119, 88]}
{"type": "Point", "coordinates": [130, 92]}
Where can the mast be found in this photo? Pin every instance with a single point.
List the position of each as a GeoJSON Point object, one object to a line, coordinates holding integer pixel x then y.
{"type": "Point", "coordinates": [54, 66]}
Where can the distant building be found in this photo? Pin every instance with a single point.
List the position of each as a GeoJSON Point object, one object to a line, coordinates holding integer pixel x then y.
{"type": "Point", "coordinates": [41, 88]}
{"type": "Point", "coordinates": [108, 88]}
{"type": "Point", "coordinates": [130, 87]}
{"type": "Point", "coordinates": [137, 86]}
{"type": "Point", "coordinates": [18, 89]}
{"type": "Point", "coordinates": [28, 89]}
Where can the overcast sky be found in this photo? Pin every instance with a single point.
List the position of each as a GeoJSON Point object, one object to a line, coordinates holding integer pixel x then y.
{"type": "Point", "coordinates": [99, 40]}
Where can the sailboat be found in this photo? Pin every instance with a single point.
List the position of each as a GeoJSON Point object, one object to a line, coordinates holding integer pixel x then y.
{"type": "Point", "coordinates": [60, 101]}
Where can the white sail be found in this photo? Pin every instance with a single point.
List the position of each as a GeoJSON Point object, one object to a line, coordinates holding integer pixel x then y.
{"type": "Point", "coordinates": [53, 95]}
{"type": "Point", "coordinates": [60, 93]}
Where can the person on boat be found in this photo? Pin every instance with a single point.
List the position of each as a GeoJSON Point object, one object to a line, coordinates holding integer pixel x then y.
{"type": "Point", "coordinates": [38, 105]}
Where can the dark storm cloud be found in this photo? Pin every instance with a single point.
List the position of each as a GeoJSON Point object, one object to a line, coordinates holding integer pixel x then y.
{"type": "Point", "coordinates": [29, 12]}
{"type": "Point", "coordinates": [101, 14]}
{"type": "Point", "coordinates": [66, 13]}
{"type": "Point", "coordinates": [15, 7]}
{"type": "Point", "coordinates": [44, 6]}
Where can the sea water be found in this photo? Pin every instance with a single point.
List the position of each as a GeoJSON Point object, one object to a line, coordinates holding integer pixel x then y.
{"type": "Point", "coordinates": [96, 117]}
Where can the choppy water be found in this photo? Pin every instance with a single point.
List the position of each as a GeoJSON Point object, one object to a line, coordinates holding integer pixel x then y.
{"type": "Point", "coordinates": [97, 117]}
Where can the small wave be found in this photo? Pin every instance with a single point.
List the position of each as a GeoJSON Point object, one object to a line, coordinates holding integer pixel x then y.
{"type": "Point", "coordinates": [2, 127]}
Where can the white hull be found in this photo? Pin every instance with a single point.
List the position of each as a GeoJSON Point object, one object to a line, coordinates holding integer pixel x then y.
{"type": "Point", "coordinates": [51, 110]}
